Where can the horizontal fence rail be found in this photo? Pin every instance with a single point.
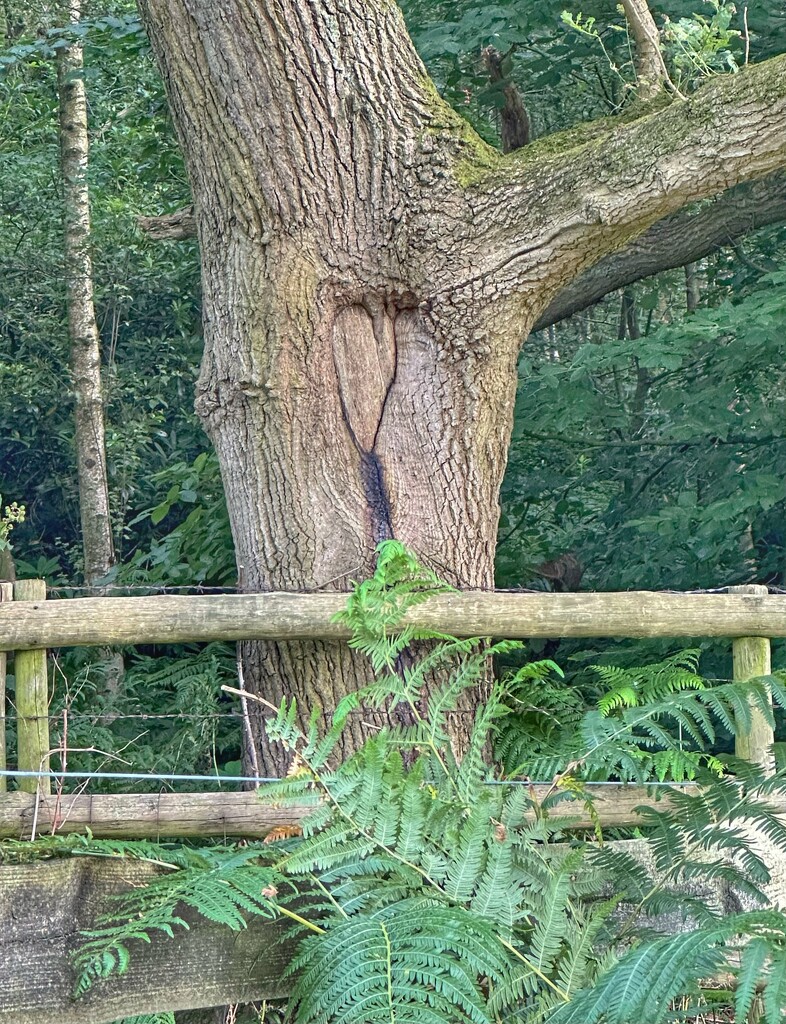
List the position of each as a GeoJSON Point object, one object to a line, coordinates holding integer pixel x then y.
{"type": "Point", "coordinates": [46, 906]}
{"type": "Point", "coordinates": [29, 624]}
{"type": "Point", "coordinates": [96, 621]}
{"type": "Point", "coordinates": [247, 816]}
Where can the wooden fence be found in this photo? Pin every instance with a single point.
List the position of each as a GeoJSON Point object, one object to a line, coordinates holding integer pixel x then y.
{"type": "Point", "coordinates": [45, 905]}
{"type": "Point", "coordinates": [29, 624]}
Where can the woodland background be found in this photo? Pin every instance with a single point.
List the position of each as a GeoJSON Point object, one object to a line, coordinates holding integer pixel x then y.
{"type": "Point", "coordinates": [649, 446]}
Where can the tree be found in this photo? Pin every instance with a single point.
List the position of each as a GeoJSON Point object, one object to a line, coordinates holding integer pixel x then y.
{"type": "Point", "coordinates": [90, 435]}
{"type": "Point", "coordinates": [370, 267]}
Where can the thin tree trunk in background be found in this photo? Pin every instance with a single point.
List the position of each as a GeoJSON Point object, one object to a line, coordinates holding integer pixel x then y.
{"type": "Point", "coordinates": [692, 288]}
{"type": "Point", "coordinates": [83, 330]}
{"type": "Point", "coordinates": [97, 540]}
{"type": "Point", "coordinates": [643, 379]}
{"type": "Point", "coordinates": [651, 73]}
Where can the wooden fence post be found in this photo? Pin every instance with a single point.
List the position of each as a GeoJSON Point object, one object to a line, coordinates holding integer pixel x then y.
{"type": "Point", "coordinates": [751, 656]}
{"type": "Point", "coordinates": [6, 594]}
{"type": "Point", "coordinates": [32, 702]}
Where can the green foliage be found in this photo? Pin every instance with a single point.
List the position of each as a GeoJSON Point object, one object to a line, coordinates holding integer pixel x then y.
{"type": "Point", "coordinates": [219, 883]}
{"type": "Point", "coordinates": [421, 889]}
{"type": "Point", "coordinates": [149, 1018]}
{"type": "Point", "coordinates": [694, 46]}
{"type": "Point", "coordinates": [647, 979]}
{"type": "Point", "coordinates": [198, 548]}
{"type": "Point", "coordinates": [410, 961]}
{"type": "Point", "coordinates": [169, 717]}
{"type": "Point", "coordinates": [406, 831]}
{"type": "Point", "coordinates": [654, 722]}
{"type": "Point", "coordinates": [699, 46]}
{"type": "Point", "coordinates": [146, 294]}
{"type": "Point", "coordinates": [378, 604]}
{"type": "Point", "coordinates": [107, 33]}
{"type": "Point", "coordinates": [11, 516]}
{"type": "Point", "coordinates": [657, 460]}
{"type": "Point", "coordinates": [561, 79]}
{"type": "Point", "coordinates": [633, 687]}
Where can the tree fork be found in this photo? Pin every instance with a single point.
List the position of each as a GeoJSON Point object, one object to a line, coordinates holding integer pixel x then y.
{"type": "Point", "coordinates": [684, 237]}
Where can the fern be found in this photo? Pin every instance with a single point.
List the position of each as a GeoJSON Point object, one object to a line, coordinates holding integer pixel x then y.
{"type": "Point", "coordinates": [149, 1018]}
{"type": "Point", "coordinates": [628, 687]}
{"type": "Point", "coordinates": [668, 737]}
{"type": "Point", "coordinates": [420, 893]}
{"type": "Point", "coordinates": [413, 960]}
{"type": "Point", "coordinates": [643, 985]}
{"type": "Point", "coordinates": [654, 722]}
{"type": "Point", "coordinates": [221, 884]}
{"type": "Point", "coordinates": [376, 606]}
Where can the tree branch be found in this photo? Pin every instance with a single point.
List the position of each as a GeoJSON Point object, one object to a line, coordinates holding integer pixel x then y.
{"type": "Point", "coordinates": [172, 227]}
{"type": "Point", "coordinates": [651, 73]}
{"type": "Point", "coordinates": [549, 213]}
{"type": "Point", "coordinates": [514, 120]}
{"type": "Point", "coordinates": [682, 238]}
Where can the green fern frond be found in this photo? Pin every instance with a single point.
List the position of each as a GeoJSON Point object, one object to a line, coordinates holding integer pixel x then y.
{"type": "Point", "coordinates": [376, 606]}
{"type": "Point", "coordinates": [473, 770]}
{"type": "Point", "coordinates": [632, 881]}
{"type": "Point", "coordinates": [469, 855]}
{"type": "Point", "coordinates": [396, 965]}
{"type": "Point", "coordinates": [149, 1018]}
{"type": "Point", "coordinates": [225, 887]}
{"type": "Point", "coordinates": [582, 958]}
{"type": "Point", "coordinates": [644, 982]}
{"type": "Point", "coordinates": [775, 988]}
{"type": "Point", "coordinates": [754, 956]}
{"type": "Point", "coordinates": [534, 670]}
{"type": "Point", "coordinates": [443, 896]}
{"type": "Point", "coordinates": [631, 687]}
{"type": "Point", "coordinates": [495, 896]}
{"type": "Point", "coordinates": [552, 921]}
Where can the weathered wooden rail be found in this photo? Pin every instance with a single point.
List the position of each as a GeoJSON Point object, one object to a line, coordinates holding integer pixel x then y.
{"type": "Point", "coordinates": [29, 624]}
{"type": "Point", "coordinates": [98, 621]}
{"type": "Point", "coordinates": [247, 816]}
{"type": "Point", "coordinates": [44, 905]}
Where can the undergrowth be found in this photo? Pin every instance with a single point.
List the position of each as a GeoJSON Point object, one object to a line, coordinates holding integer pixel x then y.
{"type": "Point", "coordinates": [427, 888]}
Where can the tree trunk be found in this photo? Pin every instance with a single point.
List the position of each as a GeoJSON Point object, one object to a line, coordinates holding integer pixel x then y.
{"type": "Point", "coordinates": [90, 439]}
{"type": "Point", "coordinates": [82, 327]}
{"type": "Point", "coordinates": [370, 268]}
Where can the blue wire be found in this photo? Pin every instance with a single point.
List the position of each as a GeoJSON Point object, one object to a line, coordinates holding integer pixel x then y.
{"type": "Point", "coordinates": [254, 779]}
{"type": "Point", "coordinates": [135, 775]}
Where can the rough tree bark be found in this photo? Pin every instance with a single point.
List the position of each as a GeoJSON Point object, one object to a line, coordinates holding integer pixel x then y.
{"type": "Point", "coordinates": [370, 268]}
{"type": "Point", "coordinates": [683, 238]}
{"type": "Point", "coordinates": [97, 542]}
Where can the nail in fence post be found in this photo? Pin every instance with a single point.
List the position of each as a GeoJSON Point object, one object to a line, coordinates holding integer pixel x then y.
{"type": "Point", "coordinates": [751, 656]}
{"type": "Point", "coordinates": [32, 701]}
